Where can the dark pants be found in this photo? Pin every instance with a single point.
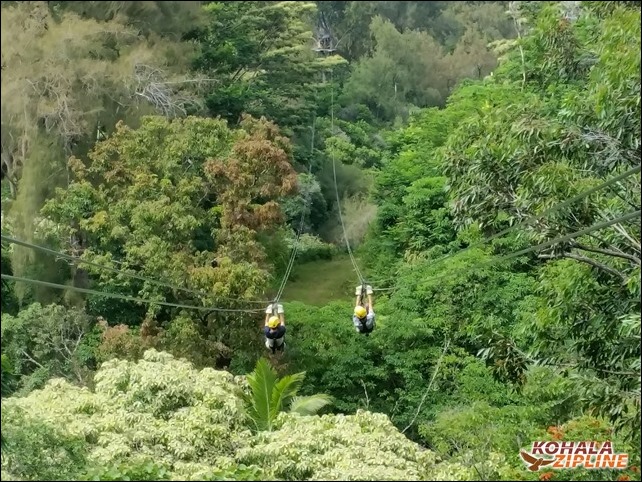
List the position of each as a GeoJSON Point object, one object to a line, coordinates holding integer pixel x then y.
{"type": "Point", "coordinates": [275, 339]}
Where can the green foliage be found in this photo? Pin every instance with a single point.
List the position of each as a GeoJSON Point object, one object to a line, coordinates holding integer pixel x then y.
{"type": "Point", "coordinates": [311, 248]}
{"type": "Point", "coordinates": [72, 77]}
{"type": "Point", "coordinates": [543, 148]}
{"type": "Point", "coordinates": [160, 419]}
{"type": "Point", "coordinates": [37, 450]}
{"type": "Point", "coordinates": [43, 341]}
{"type": "Point", "coordinates": [471, 358]}
{"type": "Point", "coordinates": [603, 347]}
{"type": "Point", "coordinates": [309, 208]}
{"type": "Point", "coordinates": [156, 393]}
{"type": "Point", "coordinates": [548, 125]}
{"type": "Point", "coordinates": [352, 143]}
{"type": "Point", "coordinates": [7, 388]}
{"type": "Point", "coordinates": [8, 299]}
{"type": "Point", "coordinates": [445, 21]}
{"type": "Point", "coordinates": [413, 213]}
{"type": "Point", "coordinates": [138, 470]}
{"type": "Point", "coordinates": [7, 375]}
{"type": "Point", "coordinates": [270, 395]}
{"type": "Point", "coordinates": [165, 19]}
{"type": "Point", "coordinates": [390, 370]}
{"type": "Point", "coordinates": [481, 428]}
{"type": "Point", "coordinates": [260, 55]}
{"type": "Point", "coordinates": [410, 68]}
{"type": "Point", "coordinates": [168, 199]}
{"type": "Point", "coordinates": [121, 341]}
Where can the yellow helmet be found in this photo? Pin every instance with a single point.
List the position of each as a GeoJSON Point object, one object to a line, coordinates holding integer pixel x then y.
{"type": "Point", "coordinates": [274, 321]}
{"type": "Point", "coordinates": [360, 311]}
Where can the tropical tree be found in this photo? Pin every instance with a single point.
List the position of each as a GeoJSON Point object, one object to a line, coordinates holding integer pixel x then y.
{"type": "Point", "coordinates": [260, 55]}
{"type": "Point", "coordinates": [6, 374]}
{"type": "Point", "coordinates": [161, 419]}
{"type": "Point", "coordinates": [269, 395]}
{"type": "Point", "coordinates": [43, 341]}
{"type": "Point", "coordinates": [558, 117]}
{"type": "Point", "coordinates": [67, 78]}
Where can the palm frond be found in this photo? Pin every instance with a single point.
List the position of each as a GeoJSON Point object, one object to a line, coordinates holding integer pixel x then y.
{"type": "Point", "coordinates": [261, 381]}
{"type": "Point", "coordinates": [270, 395]}
{"type": "Point", "coordinates": [310, 405]}
{"type": "Point", "coordinates": [284, 391]}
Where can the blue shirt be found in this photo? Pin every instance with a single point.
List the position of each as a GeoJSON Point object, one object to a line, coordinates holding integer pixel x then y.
{"type": "Point", "coordinates": [274, 334]}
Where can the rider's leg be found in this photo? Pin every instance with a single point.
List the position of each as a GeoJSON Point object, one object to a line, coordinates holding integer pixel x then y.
{"type": "Point", "coordinates": [269, 344]}
{"type": "Point", "coordinates": [357, 324]}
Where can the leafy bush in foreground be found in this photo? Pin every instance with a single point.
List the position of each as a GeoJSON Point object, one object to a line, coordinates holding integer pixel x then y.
{"type": "Point", "coordinates": [160, 419]}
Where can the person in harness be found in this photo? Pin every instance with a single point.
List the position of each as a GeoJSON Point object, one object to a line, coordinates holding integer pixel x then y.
{"type": "Point", "coordinates": [274, 328]}
{"type": "Point", "coordinates": [364, 317]}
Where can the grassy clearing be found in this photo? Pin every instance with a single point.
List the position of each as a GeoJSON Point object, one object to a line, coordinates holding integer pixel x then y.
{"type": "Point", "coordinates": [319, 282]}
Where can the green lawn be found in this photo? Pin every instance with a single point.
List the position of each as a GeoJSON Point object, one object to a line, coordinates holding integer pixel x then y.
{"type": "Point", "coordinates": [318, 282]}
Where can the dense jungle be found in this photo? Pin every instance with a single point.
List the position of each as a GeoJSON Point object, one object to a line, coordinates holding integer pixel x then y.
{"type": "Point", "coordinates": [170, 169]}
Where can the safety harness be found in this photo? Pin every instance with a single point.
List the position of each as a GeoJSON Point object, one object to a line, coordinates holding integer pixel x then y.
{"type": "Point", "coordinates": [275, 312]}
{"type": "Point", "coordinates": [361, 303]}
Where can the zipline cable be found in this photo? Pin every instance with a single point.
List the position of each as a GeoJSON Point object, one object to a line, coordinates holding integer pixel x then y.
{"type": "Point", "coordinates": [300, 231]}
{"type": "Point", "coordinates": [125, 297]}
{"type": "Point", "coordinates": [336, 188]}
{"type": "Point", "coordinates": [551, 210]}
{"type": "Point", "coordinates": [630, 215]}
{"type": "Point", "coordinates": [496, 259]}
{"type": "Point", "coordinates": [117, 271]}
{"type": "Point", "coordinates": [536, 217]}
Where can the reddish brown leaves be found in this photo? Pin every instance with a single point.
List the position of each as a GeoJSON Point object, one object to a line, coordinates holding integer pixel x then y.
{"type": "Point", "coordinates": [557, 433]}
{"type": "Point", "coordinates": [121, 342]}
{"type": "Point", "coordinates": [251, 178]}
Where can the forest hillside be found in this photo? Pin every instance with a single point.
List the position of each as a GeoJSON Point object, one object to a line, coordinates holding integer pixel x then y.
{"type": "Point", "coordinates": [171, 169]}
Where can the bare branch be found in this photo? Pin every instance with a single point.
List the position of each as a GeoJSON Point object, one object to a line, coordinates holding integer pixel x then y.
{"type": "Point", "coordinates": [366, 392]}
{"type": "Point", "coordinates": [608, 252]}
{"type": "Point", "coordinates": [31, 359]}
{"type": "Point", "coordinates": [513, 11]}
{"type": "Point", "coordinates": [394, 410]}
{"type": "Point", "coordinates": [586, 260]}
{"type": "Point", "coordinates": [155, 89]}
{"type": "Point", "coordinates": [188, 81]}
{"type": "Point", "coordinates": [620, 229]}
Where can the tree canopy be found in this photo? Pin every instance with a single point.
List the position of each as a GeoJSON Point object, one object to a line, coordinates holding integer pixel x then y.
{"type": "Point", "coordinates": [170, 169]}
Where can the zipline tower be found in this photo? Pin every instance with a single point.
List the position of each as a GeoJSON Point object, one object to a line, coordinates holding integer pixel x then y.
{"type": "Point", "coordinates": [324, 45]}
